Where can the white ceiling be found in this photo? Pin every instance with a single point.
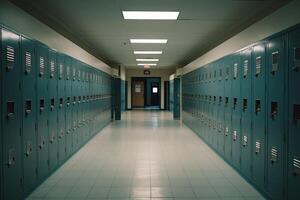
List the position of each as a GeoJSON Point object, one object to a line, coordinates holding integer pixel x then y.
{"type": "Point", "coordinates": [98, 26]}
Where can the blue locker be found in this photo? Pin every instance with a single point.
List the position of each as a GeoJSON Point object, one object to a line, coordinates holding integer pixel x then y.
{"type": "Point", "coordinates": [29, 111]}
{"type": "Point", "coordinates": [236, 110]}
{"type": "Point", "coordinates": [11, 119]}
{"type": "Point", "coordinates": [53, 110]}
{"type": "Point", "coordinates": [221, 113]}
{"type": "Point", "coordinates": [246, 116]}
{"type": "Point", "coordinates": [259, 115]}
{"type": "Point", "coordinates": [294, 115]}
{"type": "Point", "coordinates": [176, 98]}
{"type": "Point", "coordinates": [75, 105]}
{"type": "Point", "coordinates": [61, 116]}
{"type": "Point", "coordinates": [1, 135]}
{"type": "Point", "coordinates": [275, 117]}
{"type": "Point", "coordinates": [69, 99]}
{"type": "Point", "coordinates": [227, 107]}
{"type": "Point", "coordinates": [41, 53]}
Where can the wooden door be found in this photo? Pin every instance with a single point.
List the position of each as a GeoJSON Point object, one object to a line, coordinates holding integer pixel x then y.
{"type": "Point", "coordinates": [137, 93]}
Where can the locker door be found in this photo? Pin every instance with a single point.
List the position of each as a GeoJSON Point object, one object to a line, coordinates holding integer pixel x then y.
{"type": "Point", "coordinates": [275, 117]}
{"type": "Point", "coordinates": [227, 107]}
{"type": "Point", "coordinates": [11, 120]}
{"type": "Point", "coordinates": [41, 53]}
{"type": "Point", "coordinates": [259, 115]}
{"type": "Point", "coordinates": [68, 104]}
{"type": "Point", "coordinates": [29, 110]}
{"type": "Point", "coordinates": [75, 106]}
{"type": "Point", "coordinates": [236, 110]}
{"type": "Point", "coordinates": [1, 121]}
{"type": "Point", "coordinates": [53, 110]}
{"type": "Point", "coordinates": [61, 117]}
{"type": "Point", "coordinates": [220, 125]}
{"type": "Point", "coordinates": [246, 126]}
{"type": "Point", "coordinates": [176, 98]}
{"type": "Point", "coordinates": [294, 116]}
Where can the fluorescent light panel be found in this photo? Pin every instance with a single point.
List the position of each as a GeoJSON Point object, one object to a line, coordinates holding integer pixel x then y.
{"type": "Point", "coordinates": [147, 59]}
{"type": "Point", "coordinates": [150, 15]}
{"type": "Point", "coordinates": [149, 41]}
{"type": "Point", "coordinates": [146, 64]}
{"type": "Point", "coordinates": [147, 52]}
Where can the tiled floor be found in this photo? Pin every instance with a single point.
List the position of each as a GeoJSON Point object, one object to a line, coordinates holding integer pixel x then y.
{"type": "Point", "coordinates": [147, 156]}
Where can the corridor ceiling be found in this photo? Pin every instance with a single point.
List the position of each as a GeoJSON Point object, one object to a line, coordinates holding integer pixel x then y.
{"type": "Point", "coordinates": [98, 26]}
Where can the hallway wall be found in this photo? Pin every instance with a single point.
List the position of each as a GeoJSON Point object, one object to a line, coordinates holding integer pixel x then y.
{"type": "Point", "coordinates": [18, 19]}
{"type": "Point", "coordinates": [281, 19]}
{"type": "Point", "coordinates": [162, 73]}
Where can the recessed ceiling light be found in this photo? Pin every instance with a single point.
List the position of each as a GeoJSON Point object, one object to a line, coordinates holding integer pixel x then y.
{"type": "Point", "coordinates": [150, 15]}
{"type": "Point", "coordinates": [147, 52]}
{"type": "Point", "coordinates": [147, 59]}
{"type": "Point", "coordinates": [149, 41]}
{"type": "Point", "coordinates": [146, 64]}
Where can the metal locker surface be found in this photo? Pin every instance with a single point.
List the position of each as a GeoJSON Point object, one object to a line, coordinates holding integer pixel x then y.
{"type": "Point", "coordinates": [294, 115]}
{"type": "Point", "coordinates": [259, 115]}
{"type": "Point", "coordinates": [53, 110]}
{"type": "Point", "coordinates": [61, 116]}
{"type": "Point", "coordinates": [246, 116]}
{"type": "Point", "coordinates": [77, 100]}
{"type": "Point", "coordinates": [29, 111]}
{"type": "Point", "coordinates": [41, 53]}
{"type": "Point", "coordinates": [236, 109]}
{"type": "Point", "coordinates": [1, 121]}
{"type": "Point", "coordinates": [11, 119]}
{"type": "Point", "coordinates": [221, 109]}
{"type": "Point", "coordinates": [176, 98]}
{"type": "Point", "coordinates": [275, 116]}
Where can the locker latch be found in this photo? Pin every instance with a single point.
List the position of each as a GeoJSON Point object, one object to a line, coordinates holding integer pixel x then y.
{"type": "Point", "coordinates": [257, 147]}
{"type": "Point", "coordinates": [52, 101]}
{"type": "Point", "coordinates": [257, 106]}
{"type": "Point", "coordinates": [10, 109]}
{"type": "Point", "coordinates": [74, 100]}
{"type": "Point", "coordinates": [60, 102]}
{"type": "Point", "coordinates": [296, 112]}
{"type": "Point", "coordinates": [42, 105]}
{"type": "Point", "coordinates": [28, 107]}
{"type": "Point", "coordinates": [275, 61]}
{"type": "Point", "coordinates": [234, 103]}
{"type": "Point", "coordinates": [68, 101]}
{"type": "Point", "coordinates": [257, 65]}
{"type": "Point", "coordinates": [274, 155]}
{"type": "Point", "coordinates": [220, 101]}
{"type": "Point", "coordinates": [42, 143]}
{"type": "Point", "coordinates": [28, 149]}
{"type": "Point", "coordinates": [234, 135]}
{"type": "Point", "coordinates": [11, 157]}
{"type": "Point", "coordinates": [226, 101]}
{"type": "Point", "coordinates": [274, 109]}
{"type": "Point", "coordinates": [245, 141]}
{"type": "Point", "coordinates": [296, 165]}
{"type": "Point", "coordinates": [245, 104]}
{"type": "Point", "coordinates": [296, 59]}
{"type": "Point", "coordinates": [61, 134]}
{"type": "Point", "coordinates": [52, 139]}
{"type": "Point", "coordinates": [226, 131]}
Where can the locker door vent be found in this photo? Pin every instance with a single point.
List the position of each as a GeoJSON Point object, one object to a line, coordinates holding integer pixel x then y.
{"type": "Point", "coordinates": [78, 75]}
{"type": "Point", "coordinates": [296, 112]}
{"type": "Point", "coordinates": [245, 104]}
{"type": "Point", "coordinates": [246, 68]}
{"type": "Point", "coordinates": [274, 109]}
{"type": "Point", "coordinates": [52, 102]}
{"type": "Point", "coordinates": [226, 131]}
{"type": "Point", "coordinates": [296, 165]}
{"type": "Point", "coordinates": [42, 67]}
{"type": "Point", "coordinates": [257, 147]}
{"type": "Point", "coordinates": [52, 69]}
{"type": "Point", "coordinates": [220, 74]}
{"type": "Point", "coordinates": [27, 63]}
{"type": "Point", "coordinates": [257, 65]}
{"type": "Point", "coordinates": [74, 74]}
{"type": "Point", "coordinates": [275, 62]}
{"type": "Point", "coordinates": [215, 74]}
{"type": "Point", "coordinates": [297, 59]}
{"type": "Point", "coordinates": [235, 71]}
{"type": "Point", "coordinates": [10, 109]}
{"type": "Point", "coordinates": [274, 155]}
{"type": "Point", "coordinates": [42, 105]}
{"type": "Point", "coordinates": [28, 107]}
{"type": "Point", "coordinates": [68, 72]}
{"type": "Point", "coordinates": [257, 106]}
{"type": "Point", "coordinates": [10, 57]}
{"type": "Point", "coordinates": [61, 69]}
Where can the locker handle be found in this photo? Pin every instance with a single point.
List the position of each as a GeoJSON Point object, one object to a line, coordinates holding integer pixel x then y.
{"type": "Point", "coordinates": [27, 71]}
{"type": "Point", "coordinates": [28, 150]}
{"type": "Point", "coordinates": [52, 140]}
{"type": "Point", "coordinates": [10, 110]}
{"type": "Point", "coordinates": [42, 144]}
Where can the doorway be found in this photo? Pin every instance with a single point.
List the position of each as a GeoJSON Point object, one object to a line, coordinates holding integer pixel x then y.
{"type": "Point", "coordinates": [146, 92]}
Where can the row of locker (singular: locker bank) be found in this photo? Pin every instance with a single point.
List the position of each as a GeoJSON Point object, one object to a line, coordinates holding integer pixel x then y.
{"type": "Point", "coordinates": [247, 107]}
{"type": "Point", "coordinates": [51, 104]}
